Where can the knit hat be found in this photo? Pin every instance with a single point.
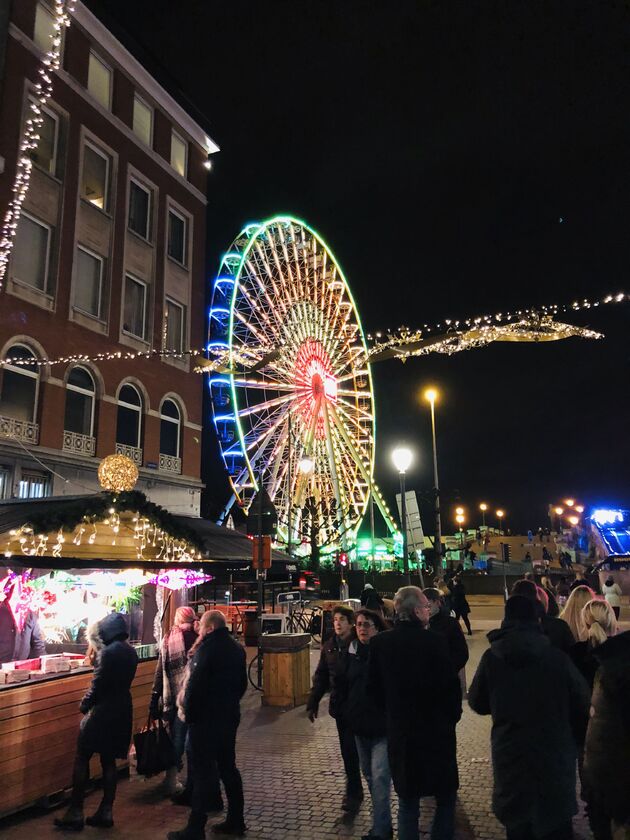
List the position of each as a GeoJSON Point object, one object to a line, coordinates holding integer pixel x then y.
{"type": "Point", "coordinates": [519, 608]}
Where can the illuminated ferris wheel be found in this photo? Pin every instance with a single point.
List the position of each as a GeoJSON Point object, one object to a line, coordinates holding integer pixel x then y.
{"type": "Point", "coordinates": [294, 406]}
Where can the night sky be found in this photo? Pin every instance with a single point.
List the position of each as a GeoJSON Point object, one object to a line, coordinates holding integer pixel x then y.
{"type": "Point", "coordinates": [459, 159]}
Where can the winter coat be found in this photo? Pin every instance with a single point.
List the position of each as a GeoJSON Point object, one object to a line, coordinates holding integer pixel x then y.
{"type": "Point", "coordinates": [361, 713]}
{"type": "Point", "coordinates": [585, 658]}
{"type": "Point", "coordinates": [106, 727]}
{"type": "Point", "coordinates": [612, 594]}
{"type": "Point", "coordinates": [458, 599]}
{"type": "Point", "coordinates": [25, 645]}
{"type": "Point", "coordinates": [371, 600]}
{"type": "Point", "coordinates": [217, 681]}
{"type": "Point", "coordinates": [330, 668]}
{"type": "Point", "coordinates": [606, 770]}
{"type": "Point", "coordinates": [539, 705]}
{"type": "Point", "coordinates": [558, 632]}
{"type": "Point", "coordinates": [449, 627]}
{"type": "Point", "coordinates": [411, 675]}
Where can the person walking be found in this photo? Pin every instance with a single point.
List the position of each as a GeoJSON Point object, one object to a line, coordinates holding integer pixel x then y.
{"type": "Point", "coordinates": [572, 612]}
{"type": "Point", "coordinates": [459, 604]}
{"type": "Point", "coordinates": [366, 721]}
{"type": "Point", "coordinates": [606, 766]}
{"type": "Point", "coordinates": [599, 620]}
{"type": "Point", "coordinates": [327, 675]}
{"type": "Point", "coordinates": [169, 678]}
{"type": "Point", "coordinates": [412, 677]}
{"type": "Point", "coordinates": [211, 707]}
{"type": "Point", "coordinates": [612, 593]}
{"type": "Point", "coordinates": [539, 704]}
{"type": "Point", "coordinates": [556, 631]}
{"type": "Point", "coordinates": [106, 726]}
{"type": "Point", "coordinates": [371, 600]}
{"type": "Point", "coordinates": [443, 623]}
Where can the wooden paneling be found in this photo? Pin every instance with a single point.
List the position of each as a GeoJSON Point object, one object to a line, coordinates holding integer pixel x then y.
{"type": "Point", "coordinates": [39, 724]}
{"type": "Point", "coordinates": [286, 678]}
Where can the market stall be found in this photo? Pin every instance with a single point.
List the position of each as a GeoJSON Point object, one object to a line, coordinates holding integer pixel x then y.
{"type": "Point", "coordinates": [68, 562]}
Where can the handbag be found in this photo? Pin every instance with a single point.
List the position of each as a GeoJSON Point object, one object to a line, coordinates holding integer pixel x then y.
{"type": "Point", "coordinates": [154, 749]}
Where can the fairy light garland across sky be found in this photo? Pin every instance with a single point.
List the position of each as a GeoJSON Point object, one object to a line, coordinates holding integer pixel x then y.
{"type": "Point", "coordinates": [42, 91]}
{"type": "Point", "coordinates": [480, 330]}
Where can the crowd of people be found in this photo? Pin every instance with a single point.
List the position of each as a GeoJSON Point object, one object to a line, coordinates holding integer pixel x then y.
{"type": "Point", "coordinates": [555, 680]}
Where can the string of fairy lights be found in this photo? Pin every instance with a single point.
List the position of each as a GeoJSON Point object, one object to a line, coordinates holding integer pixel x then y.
{"type": "Point", "coordinates": [42, 91]}
{"type": "Point", "coordinates": [454, 335]}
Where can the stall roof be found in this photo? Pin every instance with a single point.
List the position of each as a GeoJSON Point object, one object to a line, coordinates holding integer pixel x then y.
{"type": "Point", "coordinates": [221, 543]}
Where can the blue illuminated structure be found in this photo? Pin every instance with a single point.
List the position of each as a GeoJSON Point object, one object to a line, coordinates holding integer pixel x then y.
{"type": "Point", "coordinates": [612, 527]}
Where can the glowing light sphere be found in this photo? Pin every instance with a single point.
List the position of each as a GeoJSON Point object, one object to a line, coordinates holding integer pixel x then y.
{"type": "Point", "coordinates": [117, 473]}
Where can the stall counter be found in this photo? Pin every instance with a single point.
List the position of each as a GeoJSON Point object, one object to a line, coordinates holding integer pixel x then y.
{"type": "Point", "coordinates": [39, 723]}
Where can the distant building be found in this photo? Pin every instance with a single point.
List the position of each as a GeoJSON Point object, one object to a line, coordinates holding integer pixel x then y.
{"type": "Point", "coordinates": [109, 256]}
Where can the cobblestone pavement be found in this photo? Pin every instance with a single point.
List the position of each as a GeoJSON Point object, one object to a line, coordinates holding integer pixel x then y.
{"type": "Point", "coordinates": [293, 780]}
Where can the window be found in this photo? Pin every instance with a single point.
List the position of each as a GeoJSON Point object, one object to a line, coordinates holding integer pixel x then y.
{"type": "Point", "coordinates": [20, 382]}
{"type": "Point", "coordinates": [174, 326]}
{"type": "Point", "coordinates": [34, 485]}
{"type": "Point", "coordinates": [129, 417]}
{"type": "Point", "coordinates": [142, 120]}
{"type": "Point", "coordinates": [45, 155]}
{"type": "Point", "coordinates": [80, 399]}
{"type": "Point", "coordinates": [44, 27]}
{"type": "Point", "coordinates": [134, 316]}
{"type": "Point", "coordinates": [179, 153]}
{"type": "Point", "coordinates": [95, 177]}
{"type": "Point", "coordinates": [177, 236]}
{"type": "Point", "coordinates": [169, 429]}
{"type": "Point", "coordinates": [5, 482]}
{"type": "Point", "coordinates": [88, 289]}
{"type": "Point", "coordinates": [31, 253]}
{"type": "Point", "coordinates": [139, 209]}
{"type": "Point", "coordinates": [100, 80]}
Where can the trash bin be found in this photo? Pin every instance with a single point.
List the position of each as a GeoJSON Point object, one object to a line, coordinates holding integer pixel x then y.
{"type": "Point", "coordinates": [250, 627]}
{"type": "Point", "coordinates": [286, 669]}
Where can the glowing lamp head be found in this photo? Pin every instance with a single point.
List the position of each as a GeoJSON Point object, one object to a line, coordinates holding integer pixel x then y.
{"type": "Point", "coordinates": [483, 506]}
{"type": "Point", "coordinates": [431, 395]}
{"type": "Point", "coordinates": [402, 458]}
{"type": "Point", "coordinates": [460, 519]}
{"type": "Point", "coordinates": [306, 465]}
{"type": "Point", "coordinates": [569, 502]}
{"type": "Point", "coordinates": [579, 508]}
{"type": "Point", "coordinates": [500, 514]}
{"type": "Point", "coordinates": [574, 520]}
{"type": "Point", "coordinates": [559, 510]}
{"type": "Point", "coordinates": [459, 511]}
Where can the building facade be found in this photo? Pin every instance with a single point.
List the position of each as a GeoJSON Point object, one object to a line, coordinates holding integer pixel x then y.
{"type": "Point", "coordinates": [108, 258]}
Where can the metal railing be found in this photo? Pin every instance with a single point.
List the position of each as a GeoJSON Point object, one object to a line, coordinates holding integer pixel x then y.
{"type": "Point", "coordinates": [169, 463]}
{"type": "Point", "coordinates": [79, 444]}
{"type": "Point", "coordinates": [19, 429]}
{"type": "Point", "coordinates": [133, 452]}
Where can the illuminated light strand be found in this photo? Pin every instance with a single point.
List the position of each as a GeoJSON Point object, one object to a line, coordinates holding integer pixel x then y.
{"type": "Point", "coordinates": [42, 91]}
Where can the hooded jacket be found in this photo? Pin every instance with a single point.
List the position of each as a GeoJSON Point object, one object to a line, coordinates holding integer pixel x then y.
{"type": "Point", "coordinates": [606, 770]}
{"type": "Point", "coordinates": [539, 705]}
{"type": "Point", "coordinates": [106, 727]}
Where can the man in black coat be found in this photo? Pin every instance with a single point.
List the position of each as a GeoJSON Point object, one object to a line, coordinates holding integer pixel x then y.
{"type": "Point", "coordinates": [327, 677]}
{"type": "Point", "coordinates": [539, 704]}
{"type": "Point", "coordinates": [106, 727]}
{"type": "Point", "coordinates": [211, 707]}
{"type": "Point", "coordinates": [441, 622]}
{"type": "Point", "coordinates": [412, 676]}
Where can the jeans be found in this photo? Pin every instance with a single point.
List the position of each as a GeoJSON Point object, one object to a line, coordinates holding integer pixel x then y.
{"type": "Point", "coordinates": [375, 766]}
{"type": "Point", "coordinates": [178, 733]}
{"type": "Point", "coordinates": [350, 756]}
{"type": "Point", "coordinates": [443, 827]}
{"type": "Point", "coordinates": [212, 749]}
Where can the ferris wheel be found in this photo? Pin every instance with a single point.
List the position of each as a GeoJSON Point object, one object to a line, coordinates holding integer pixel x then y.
{"type": "Point", "coordinates": [294, 406]}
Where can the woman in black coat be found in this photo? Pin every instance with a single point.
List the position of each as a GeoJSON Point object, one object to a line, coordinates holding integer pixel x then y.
{"type": "Point", "coordinates": [106, 726]}
{"type": "Point", "coordinates": [460, 605]}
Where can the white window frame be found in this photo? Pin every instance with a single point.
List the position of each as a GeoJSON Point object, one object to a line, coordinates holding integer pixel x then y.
{"type": "Point", "coordinates": [52, 168]}
{"type": "Point", "coordinates": [178, 423]}
{"type": "Point", "coordinates": [138, 98]}
{"type": "Point", "coordinates": [107, 159]}
{"type": "Point", "coordinates": [185, 144]}
{"type": "Point", "coordinates": [47, 227]}
{"type": "Point", "coordinates": [110, 72]}
{"type": "Point", "coordinates": [24, 371]}
{"type": "Point", "coordinates": [186, 222]}
{"type": "Point", "coordinates": [31, 478]}
{"type": "Point", "coordinates": [101, 260]}
{"type": "Point", "coordinates": [149, 209]}
{"type": "Point", "coordinates": [182, 313]}
{"type": "Point", "coordinates": [144, 312]}
{"type": "Point", "coordinates": [132, 407]}
{"type": "Point", "coordinates": [78, 390]}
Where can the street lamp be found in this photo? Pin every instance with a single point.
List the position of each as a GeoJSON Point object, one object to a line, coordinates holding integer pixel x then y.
{"type": "Point", "coordinates": [402, 458]}
{"type": "Point", "coordinates": [579, 508]}
{"type": "Point", "coordinates": [500, 515]}
{"type": "Point", "coordinates": [431, 394]}
{"type": "Point", "coordinates": [573, 520]}
{"type": "Point", "coordinates": [460, 519]}
{"type": "Point", "coordinates": [483, 507]}
{"type": "Point", "coordinates": [569, 502]}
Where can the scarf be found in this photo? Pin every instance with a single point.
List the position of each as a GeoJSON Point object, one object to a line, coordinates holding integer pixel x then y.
{"type": "Point", "coordinates": [174, 662]}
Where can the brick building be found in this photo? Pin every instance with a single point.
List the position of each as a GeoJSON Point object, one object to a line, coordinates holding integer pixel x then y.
{"type": "Point", "coordinates": [109, 256]}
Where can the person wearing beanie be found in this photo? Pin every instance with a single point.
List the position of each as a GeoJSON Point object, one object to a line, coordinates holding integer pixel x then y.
{"type": "Point", "coordinates": [558, 632]}
{"type": "Point", "coordinates": [539, 704]}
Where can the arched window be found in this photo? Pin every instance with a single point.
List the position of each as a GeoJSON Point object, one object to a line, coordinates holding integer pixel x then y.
{"type": "Point", "coordinates": [20, 385]}
{"type": "Point", "coordinates": [129, 422]}
{"type": "Point", "coordinates": [80, 401]}
{"type": "Point", "coordinates": [170, 437]}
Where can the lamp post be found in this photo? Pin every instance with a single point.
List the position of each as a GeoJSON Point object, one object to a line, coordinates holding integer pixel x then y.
{"type": "Point", "coordinates": [483, 507]}
{"type": "Point", "coordinates": [460, 519]}
{"type": "Point", "coordinates": [500, 515]}
{"type": "Point", "coordinates": [402, 458]}
{"type": "Point", "coordinates": [431, 395]}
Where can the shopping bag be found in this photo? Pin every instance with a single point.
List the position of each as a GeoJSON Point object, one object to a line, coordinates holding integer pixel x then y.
{"type": "Point", "coordinates": [154, 749]}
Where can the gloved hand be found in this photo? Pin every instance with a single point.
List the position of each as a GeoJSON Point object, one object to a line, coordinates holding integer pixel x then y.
{"type": "Point", "coordinates": [312, 715]}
